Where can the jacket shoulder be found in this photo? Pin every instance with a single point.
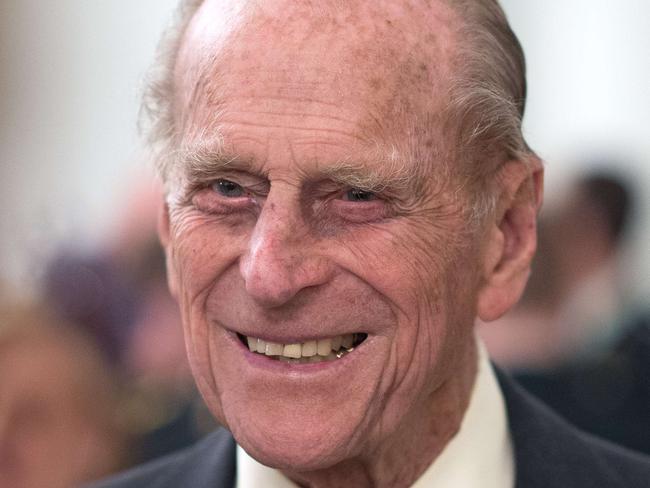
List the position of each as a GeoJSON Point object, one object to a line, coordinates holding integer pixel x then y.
{"type": "Point", "coordinates": [209, 463]}
{"type": "Point", "coordinates": [550, 453]}
{"type": "Point", "coordinates": [631, 467]}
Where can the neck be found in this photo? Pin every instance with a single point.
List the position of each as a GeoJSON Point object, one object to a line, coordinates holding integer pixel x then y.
{"type": "Point", "coordinates": [404, 455]}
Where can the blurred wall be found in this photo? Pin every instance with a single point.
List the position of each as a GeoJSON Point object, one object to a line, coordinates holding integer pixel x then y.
{"type": "Point", "coordinates": [589, 95]}
{"type": "Point", "coordinates": [69, 79]}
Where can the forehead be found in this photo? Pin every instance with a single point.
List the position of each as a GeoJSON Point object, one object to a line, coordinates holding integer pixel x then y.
{"type": "Point", "coordinates": [381, 62]}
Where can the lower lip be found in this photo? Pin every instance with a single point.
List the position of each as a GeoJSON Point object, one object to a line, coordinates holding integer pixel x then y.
{"type": "Point", "coordinates": [265, 362]}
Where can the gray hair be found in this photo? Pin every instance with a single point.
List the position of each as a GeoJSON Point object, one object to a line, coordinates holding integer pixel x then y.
{"type": "Point", "coordinates": [157, 121]}
{"type": "Point", "coordinates": [485, 110]}
{"type": "Point", "coordinates": [488, 96]}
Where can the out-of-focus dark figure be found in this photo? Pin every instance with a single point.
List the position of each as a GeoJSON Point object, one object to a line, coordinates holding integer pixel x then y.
{"type": "Point", "coordinates": [607, 395]}
{"type": "Point", "coordinates": [119, 295]}
{"type": "Point", "coordinates": [572, 340]}
{"type": "Point", "coordinates": [57, 401]}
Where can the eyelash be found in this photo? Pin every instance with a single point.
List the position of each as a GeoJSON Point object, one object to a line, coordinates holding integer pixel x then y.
{"type": "Point", "coordinates": [361, 195]}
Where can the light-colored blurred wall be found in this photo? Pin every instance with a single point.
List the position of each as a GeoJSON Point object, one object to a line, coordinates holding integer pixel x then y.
{"type": "Point", "coordinates": [69, 78]}
{"type": "Point", "coordinates": [70, 72]}
{"type": "Point", "coordinates": [589, 95]}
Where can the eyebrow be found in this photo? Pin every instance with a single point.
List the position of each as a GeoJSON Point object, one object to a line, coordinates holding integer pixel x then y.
{"type": "Point", "coordinates": [384, 174]}
{"type": "Point", "coordinates": [200, 165]}
{"type": "Point", "coordinates": [375, 172]}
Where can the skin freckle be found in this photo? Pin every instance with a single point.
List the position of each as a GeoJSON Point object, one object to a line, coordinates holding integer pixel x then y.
{"type": "Point", "coordinates": [376, 84]}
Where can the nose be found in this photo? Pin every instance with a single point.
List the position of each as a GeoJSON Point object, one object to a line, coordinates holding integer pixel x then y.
{"type": "Point", "coordinates": [282, 257]}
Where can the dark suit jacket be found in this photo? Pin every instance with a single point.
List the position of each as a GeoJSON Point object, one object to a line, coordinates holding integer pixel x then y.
{"type": "Point", "coordinates": [607, 394]}
{"type": "Point", "coordinates": [549, 453]}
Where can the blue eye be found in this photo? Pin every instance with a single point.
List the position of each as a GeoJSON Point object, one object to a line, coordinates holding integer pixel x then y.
{"type": "Point", "coordinates": [228, 188]}
{"type": "Point", "coordinates": [356, 195]}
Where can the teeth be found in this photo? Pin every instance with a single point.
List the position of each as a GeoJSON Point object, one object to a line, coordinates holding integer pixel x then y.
{"type": "Point", "coordinates": [273, 349]}
{"type": "Point", "coordinates": [324, 347]}
{"type": "Point", "coordinates": [292, 351]}
{"type": "Point", "coordinates": [309, 349]}
{"type": "Point", "coordinates": [313, 351]}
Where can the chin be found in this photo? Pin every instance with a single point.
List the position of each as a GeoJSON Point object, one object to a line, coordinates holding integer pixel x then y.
{"type": "Point", "coordinates": [294, 435]}
{"type": "Point", "coordinates": [297, 453]}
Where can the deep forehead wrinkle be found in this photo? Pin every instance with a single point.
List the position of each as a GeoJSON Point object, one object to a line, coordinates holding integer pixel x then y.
{"type": "Point", "coordinates": [376, 171]}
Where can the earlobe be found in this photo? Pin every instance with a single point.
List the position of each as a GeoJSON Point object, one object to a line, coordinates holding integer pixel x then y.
{"type": "Point", "coordinates": [511, 240]}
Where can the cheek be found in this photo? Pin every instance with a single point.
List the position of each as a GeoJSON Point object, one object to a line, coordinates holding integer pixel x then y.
{"type": "Point", "coordinates": [403, 263]}
{"type": "Point", "coordinates": [428, 279]}
{"type": "Point", "coordinates": [201, 250]}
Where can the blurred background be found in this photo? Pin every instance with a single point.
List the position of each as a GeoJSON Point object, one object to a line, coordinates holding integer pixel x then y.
{"type": "Point", "coordinates": [78, 254]}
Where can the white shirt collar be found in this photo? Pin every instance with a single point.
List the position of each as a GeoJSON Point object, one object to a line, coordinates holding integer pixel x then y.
{"type": "Point", "coordinates": [480, 455]}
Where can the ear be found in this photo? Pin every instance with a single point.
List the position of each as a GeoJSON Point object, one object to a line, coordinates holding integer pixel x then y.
{"type": "Point", "coordinates": [164, 235]}
{"type": "Point", "coordinates": [511, 238]}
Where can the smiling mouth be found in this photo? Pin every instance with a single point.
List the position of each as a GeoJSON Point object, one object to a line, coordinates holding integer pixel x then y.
{"type": "Point", "coordinates": [315, 351]}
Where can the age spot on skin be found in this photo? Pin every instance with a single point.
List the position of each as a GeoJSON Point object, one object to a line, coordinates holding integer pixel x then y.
{"type": "Point", "coordinates": [376, 84]}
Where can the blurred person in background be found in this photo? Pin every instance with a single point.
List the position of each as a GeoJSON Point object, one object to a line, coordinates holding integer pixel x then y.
{"type": "Point", "coordinates": [587, 235]}
{"type": "Point", "coordinates": [57, 403]}
{"type": "Point", "coordinates": [573, 340]}
{"type": "Point", "coordinates": [118, 294]}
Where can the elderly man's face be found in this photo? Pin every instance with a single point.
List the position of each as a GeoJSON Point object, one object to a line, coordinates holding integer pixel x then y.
{"type": "Point", "coordinates": [315, 210]}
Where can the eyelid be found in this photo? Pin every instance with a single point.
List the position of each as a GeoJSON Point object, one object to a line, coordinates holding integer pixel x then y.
{"type": "Point", "coordinates": [250, 184]}
{"type": "Point", "coordinates": [361, 212]}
